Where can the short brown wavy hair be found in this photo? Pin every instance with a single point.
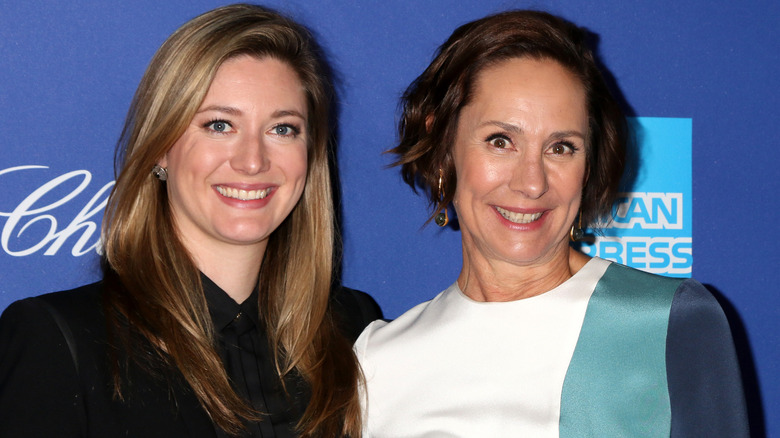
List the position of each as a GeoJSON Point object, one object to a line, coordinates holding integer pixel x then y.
{"type": "Point", "coordinates": [432, 103]}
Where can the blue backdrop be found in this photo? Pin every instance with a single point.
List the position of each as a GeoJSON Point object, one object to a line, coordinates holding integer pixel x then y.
{"type": "Point", "coordinates": [69, 70]}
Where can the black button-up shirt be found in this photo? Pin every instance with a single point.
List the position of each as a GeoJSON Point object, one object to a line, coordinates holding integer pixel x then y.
{"type": "Point", "coordinates": [243, 346]}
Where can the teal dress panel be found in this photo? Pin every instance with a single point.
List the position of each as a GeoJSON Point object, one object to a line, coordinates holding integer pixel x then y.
{"type": "Point", "coordinates": [616, 383]}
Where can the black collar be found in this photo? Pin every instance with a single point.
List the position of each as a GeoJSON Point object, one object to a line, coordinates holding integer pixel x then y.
{"type": "Point", "coordinates": [224, 309]}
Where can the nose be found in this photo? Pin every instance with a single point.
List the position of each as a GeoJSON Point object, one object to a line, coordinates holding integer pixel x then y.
{"type": "Point", "coordinates": [529, 176]}
{"type": "Point", "coordinates": [251, 155]}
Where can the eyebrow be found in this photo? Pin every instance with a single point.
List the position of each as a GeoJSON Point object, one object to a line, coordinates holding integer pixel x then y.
{"type": "Point", "coordinates": [222, 109]}
{"type": "Point", "coordinates": [282, 113]}
{"type": "Point", "coordinates": [237, 112]}
{"type": "Point", "coordinates": [517, 130]}
{"type": "Point", "coordinates": [564, 134]}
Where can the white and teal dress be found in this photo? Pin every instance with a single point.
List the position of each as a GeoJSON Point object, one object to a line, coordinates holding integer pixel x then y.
{"type": "Point", "coordinates": [612, 352]}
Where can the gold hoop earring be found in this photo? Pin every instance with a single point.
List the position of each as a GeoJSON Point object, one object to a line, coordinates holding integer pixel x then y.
{"type": "Point", "coordinates": [576, 232]}
{"type": "Point", "coordinates": [441, 218]}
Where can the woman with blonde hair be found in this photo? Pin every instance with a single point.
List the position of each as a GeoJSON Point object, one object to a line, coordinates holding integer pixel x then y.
{"type": "Point", "coordinates": [215, 315]}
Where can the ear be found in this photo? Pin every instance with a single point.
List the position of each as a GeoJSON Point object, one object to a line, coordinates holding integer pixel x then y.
{"type": "Point", "coordinates": [163, 161]}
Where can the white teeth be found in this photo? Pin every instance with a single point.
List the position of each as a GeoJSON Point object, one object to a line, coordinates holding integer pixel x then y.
{"type": "Point", "coordinates": [244, 195]}
{"type": "Point", "coordinates": [518, 218]}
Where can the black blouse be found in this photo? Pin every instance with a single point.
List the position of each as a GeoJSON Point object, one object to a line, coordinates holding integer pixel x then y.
{"type": "Point", "coordinates": [56, 381]}
{"type": "Point", "coordinates": [243, 345]}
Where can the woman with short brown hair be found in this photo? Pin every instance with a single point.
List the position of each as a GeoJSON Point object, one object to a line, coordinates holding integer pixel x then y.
{"type": "Point", "coordinates": [513, 125]}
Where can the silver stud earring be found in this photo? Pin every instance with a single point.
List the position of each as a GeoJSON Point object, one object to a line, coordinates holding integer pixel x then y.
{"type": "Point", "coordinates": [160, 172]}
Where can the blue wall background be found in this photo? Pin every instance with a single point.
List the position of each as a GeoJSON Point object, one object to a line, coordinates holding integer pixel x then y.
{"type": "Point", "coordinates": [69, 70]}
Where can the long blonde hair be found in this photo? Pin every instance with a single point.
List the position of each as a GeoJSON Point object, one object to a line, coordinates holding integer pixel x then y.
{"type": "Point", "coordinates": [152, 284]}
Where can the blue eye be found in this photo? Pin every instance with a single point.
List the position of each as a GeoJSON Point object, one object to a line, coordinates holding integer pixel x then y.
{"type": "Point", "coordinates": [219, 126]}
{"type": "Point", "coordinates": [286, 130]}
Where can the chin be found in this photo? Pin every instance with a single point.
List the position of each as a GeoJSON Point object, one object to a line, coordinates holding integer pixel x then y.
{"type": "Point", "coordinates": [245, 237]}
{"type": "Point", "coordinates": [528, 254]}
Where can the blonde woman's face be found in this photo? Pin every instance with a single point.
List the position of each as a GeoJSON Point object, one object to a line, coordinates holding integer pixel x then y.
{"type": "Point", "coordinates": [240, 167]}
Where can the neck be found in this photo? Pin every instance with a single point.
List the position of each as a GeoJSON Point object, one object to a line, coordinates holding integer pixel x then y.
{"type": "Point", "coordinates": [496, 281]}
{"type": "Point", "coordinates": [233, 268]}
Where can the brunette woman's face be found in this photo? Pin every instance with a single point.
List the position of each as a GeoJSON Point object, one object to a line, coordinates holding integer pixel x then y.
{"type": "Point", "coordinates": [519, 157]}
{"type": "Point", "coordinates": [240, 167]}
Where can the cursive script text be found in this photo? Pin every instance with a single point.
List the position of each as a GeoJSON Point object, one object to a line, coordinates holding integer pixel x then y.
{"type": "Point", "coordinates": [85, 226]}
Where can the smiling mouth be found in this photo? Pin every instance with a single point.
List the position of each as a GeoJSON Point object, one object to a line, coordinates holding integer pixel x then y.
{"type": "Point", "coordinates": [243, 195]}
{"type": "Point", "coordinates": [518, 218]}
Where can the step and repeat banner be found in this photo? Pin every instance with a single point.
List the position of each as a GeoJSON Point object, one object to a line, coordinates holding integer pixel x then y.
{"type": "Point", "coordinates": [699, 82]}
{"type": "Point", "coordinates": [650, 227]}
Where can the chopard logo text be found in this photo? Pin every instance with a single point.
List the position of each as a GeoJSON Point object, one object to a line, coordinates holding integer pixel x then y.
{"type": "Point", "coordinates": [34, 225]}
